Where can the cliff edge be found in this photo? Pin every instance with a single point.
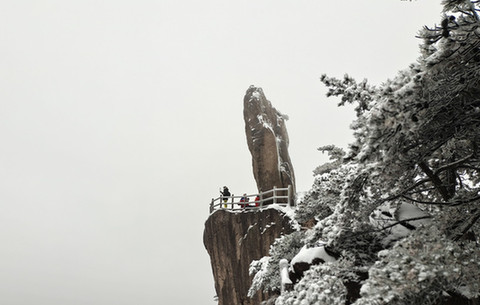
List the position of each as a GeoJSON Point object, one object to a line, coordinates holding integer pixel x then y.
{"type": "Point", "coordinates": [233, 240]}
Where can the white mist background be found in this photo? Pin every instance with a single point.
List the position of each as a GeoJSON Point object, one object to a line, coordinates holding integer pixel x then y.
{"type": "Point", "coordinates": [119, 121]}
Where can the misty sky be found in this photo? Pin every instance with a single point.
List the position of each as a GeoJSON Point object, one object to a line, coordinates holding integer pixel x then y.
{"type": "Point", "coordinates": [119, 121]}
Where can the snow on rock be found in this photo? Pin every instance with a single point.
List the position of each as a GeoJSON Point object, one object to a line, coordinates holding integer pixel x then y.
{"type": "Point", "coordinates": [284, 276]}
{"type": "Point", "coordinates": [256, 95]}
{"type": "Point", "coordinates": [306, 258]}
{"type": "Point", "coordinates": [308, 255]}
{"type": "Point", "coordinates": [399, 221]}
{"type": "Point", "coordinates": [410, 211]}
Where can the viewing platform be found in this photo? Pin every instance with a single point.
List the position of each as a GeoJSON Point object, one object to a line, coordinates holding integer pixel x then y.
{"type": "Point", "coordinates": [279, 196]}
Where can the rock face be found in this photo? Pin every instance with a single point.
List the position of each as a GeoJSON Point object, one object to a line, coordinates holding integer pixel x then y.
{"type": "Point", "coordinates": [233, 241]}
{"type": "Point", "coordinates": [267, 140]}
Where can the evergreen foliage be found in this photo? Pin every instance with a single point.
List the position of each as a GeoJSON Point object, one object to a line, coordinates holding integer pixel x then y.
{"type": "Point", "coordinates": [266, 270]}
{"type": "Point", "coordinates": [416, 141]}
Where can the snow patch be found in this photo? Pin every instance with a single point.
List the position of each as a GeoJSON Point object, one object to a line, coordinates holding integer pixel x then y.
{"type": "Point", "coordinates": [267, 227]}
{"type": "Point", "coordinates": [285, 278]}
{"type": "Point", "coordinates": [307, 255]}
{"type": "Point", "coordinates": [389, 217]}
{"type": "Point", "coordinates": [264, 123]}
{"type": "Point", "coordinates": [246, 234]}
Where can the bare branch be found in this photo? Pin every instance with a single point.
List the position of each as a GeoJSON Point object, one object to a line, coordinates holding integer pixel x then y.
{"type": "Point", "coordinates": [450, 204]}
{"type": "Point", "coordinates": [404, 222]}
{"type": "Point", "coordinates": [425, 202]}
{"type": "Point", "coordinates": [451, 165]}
{"type": "Point", "coordinates": [407, 190]}
{"type": "Point", "coordinates": [460, 202]}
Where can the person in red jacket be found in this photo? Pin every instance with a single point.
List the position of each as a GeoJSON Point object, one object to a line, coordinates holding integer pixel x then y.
{"type": "Point", "coordinates": [257, 201]}
{"type": "Point", "coordinates": [245, 200]}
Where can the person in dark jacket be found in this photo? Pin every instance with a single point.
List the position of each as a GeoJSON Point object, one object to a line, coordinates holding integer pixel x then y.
{"type": "Point", "coordinates": [225, 194]}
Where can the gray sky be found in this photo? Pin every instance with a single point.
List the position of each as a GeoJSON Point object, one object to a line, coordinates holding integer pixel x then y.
{"type": "Point", "coordinates": [119, 121]}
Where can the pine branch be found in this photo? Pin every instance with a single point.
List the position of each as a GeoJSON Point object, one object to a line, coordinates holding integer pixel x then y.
{"type": "Point", "coordinates": [437, 182]}
{"type": "Point", "coordinates": [474, 218]}
{"type": "Point", "coordinates": [449, 204]}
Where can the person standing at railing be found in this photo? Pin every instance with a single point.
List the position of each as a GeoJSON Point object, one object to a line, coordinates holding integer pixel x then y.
{"type": "Point", "coordinates": [225, 194]}
{"type": "Point", "coordinates": [244, 201]}
{"type": "Point", "coordinates": [257, 200]}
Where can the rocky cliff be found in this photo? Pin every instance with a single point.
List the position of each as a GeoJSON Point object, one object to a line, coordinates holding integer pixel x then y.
{"type": "Point", "coordinates": [267, 140]}
{"type": "Point", "coordinates": [233, 240]}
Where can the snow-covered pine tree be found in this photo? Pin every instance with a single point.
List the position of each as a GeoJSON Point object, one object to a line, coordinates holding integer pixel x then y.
{"type": "Point", "coordinates": [417, 143]}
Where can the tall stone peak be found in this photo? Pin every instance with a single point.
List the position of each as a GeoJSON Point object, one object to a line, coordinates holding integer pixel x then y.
{"type": "Point", "coordinates": [234, 239]}
{"type": "Point", "coordinates": [268, 141]}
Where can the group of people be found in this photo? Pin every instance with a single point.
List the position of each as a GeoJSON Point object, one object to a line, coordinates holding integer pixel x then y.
{"type": "Point", "coordinates": [244, 201]}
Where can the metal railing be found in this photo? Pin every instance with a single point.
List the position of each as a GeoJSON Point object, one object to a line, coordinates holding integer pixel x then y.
{"type": "Point", "coordinates": [280, 196]}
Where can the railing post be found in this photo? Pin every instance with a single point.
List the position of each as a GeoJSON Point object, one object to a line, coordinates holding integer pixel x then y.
{"type": "Point", "coordinates": [289, 194]}
{"type": "Point", "coordinates": [277, 193]}
{"type": "Point", "coordinates": [274, 195]}
{"type": "Point", "coordinates": [261, 199]}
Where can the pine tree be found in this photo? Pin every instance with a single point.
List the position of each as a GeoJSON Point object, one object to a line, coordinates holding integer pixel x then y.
{"type": "Point", "coordinates": [416, 142]}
